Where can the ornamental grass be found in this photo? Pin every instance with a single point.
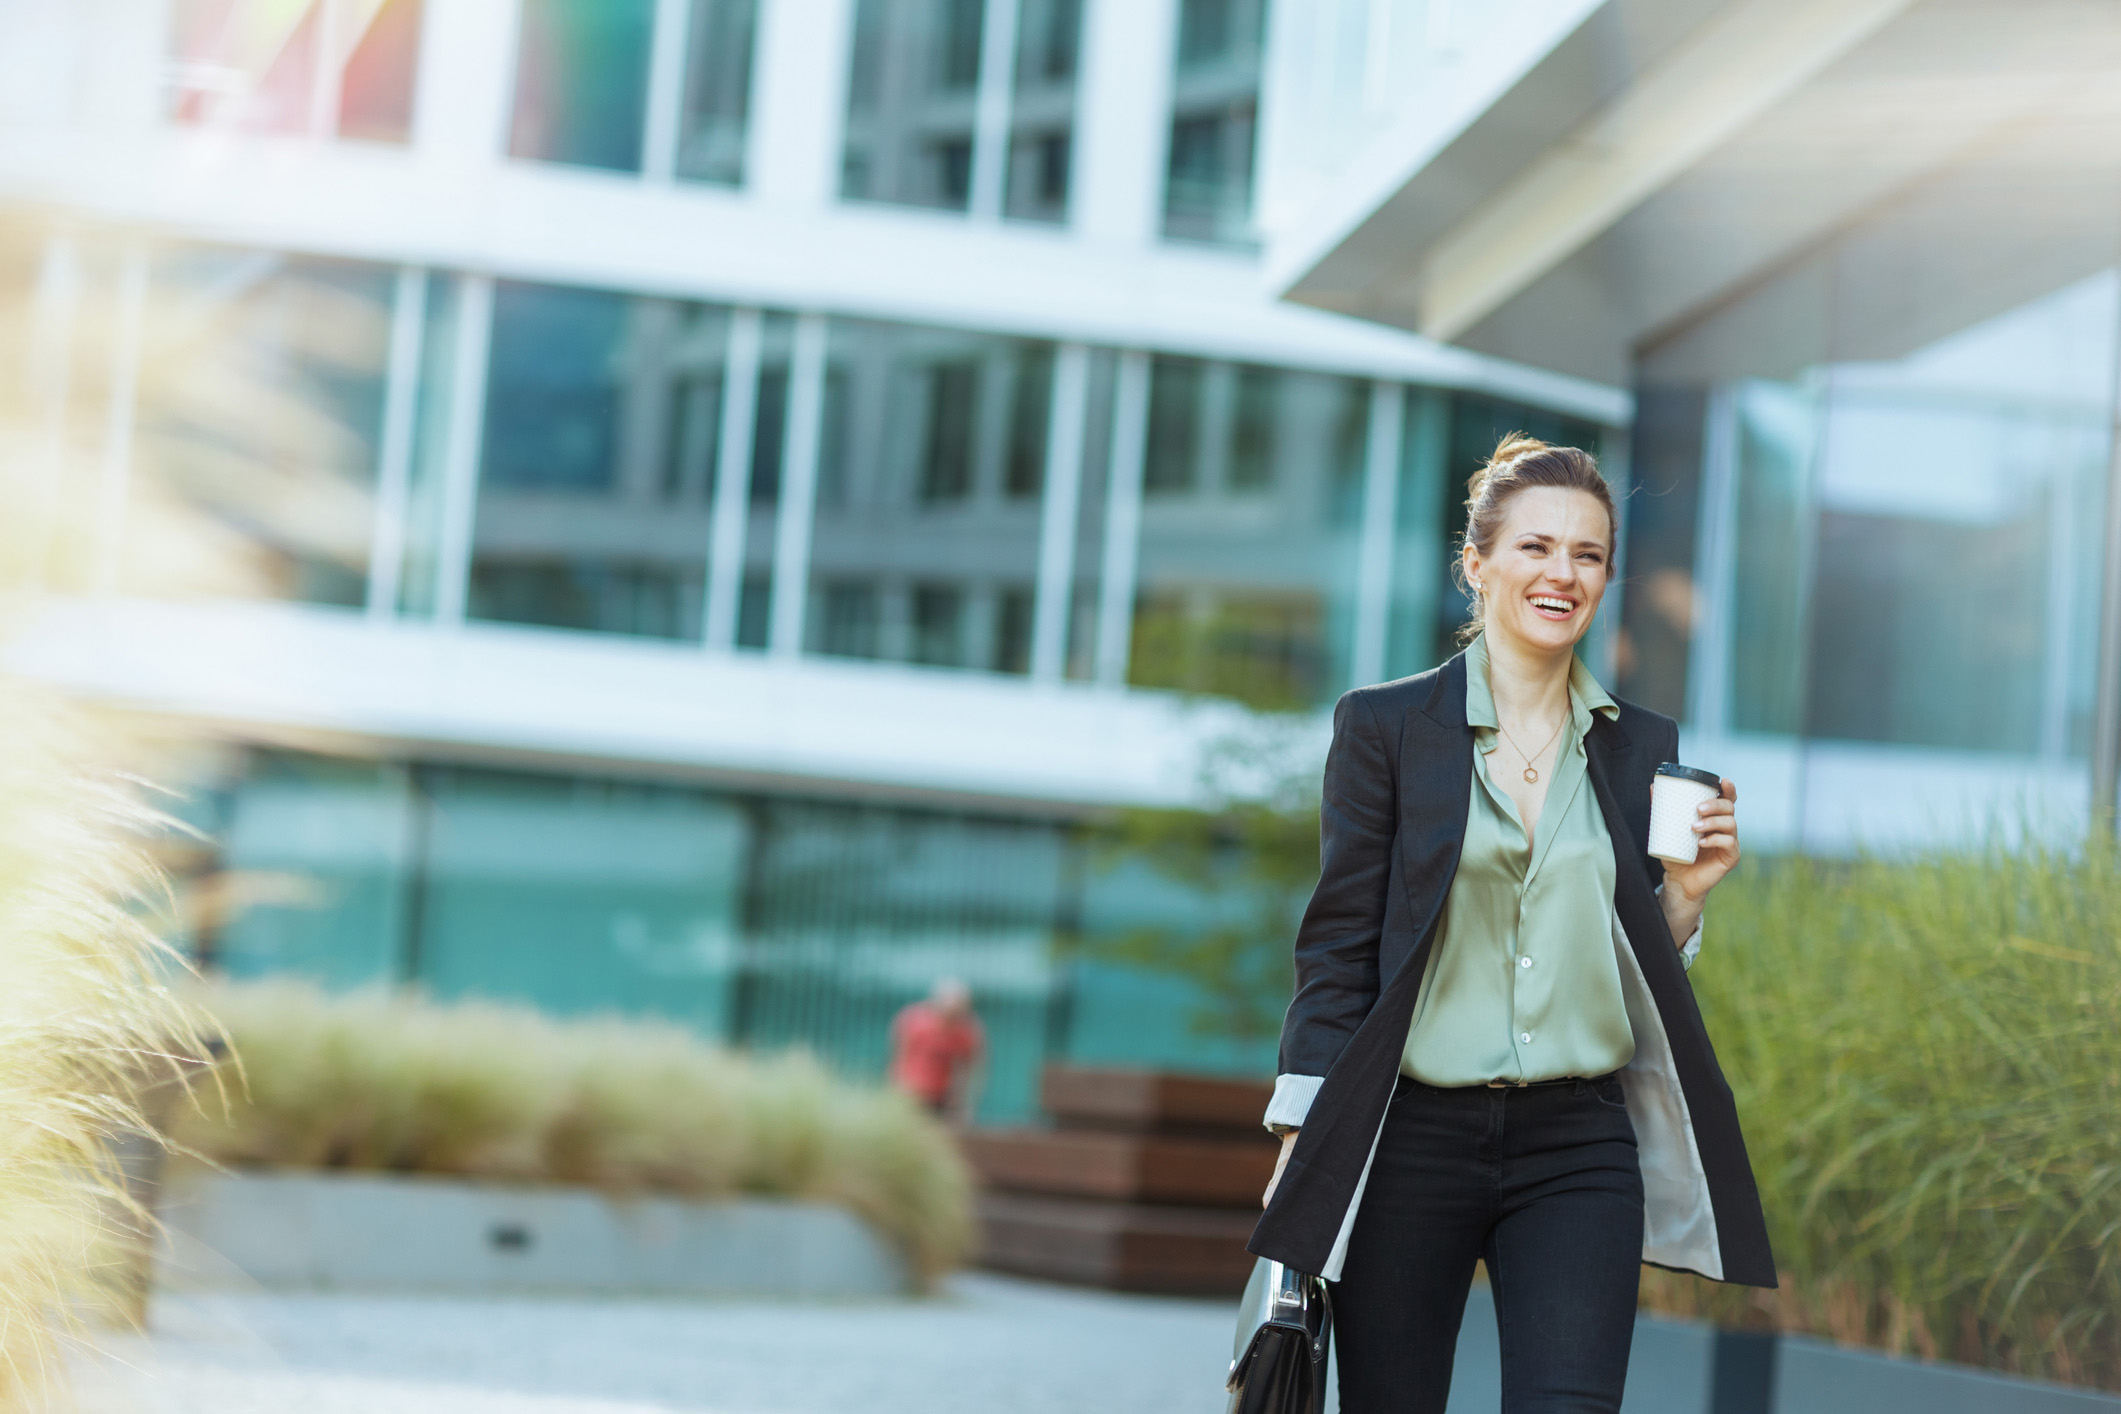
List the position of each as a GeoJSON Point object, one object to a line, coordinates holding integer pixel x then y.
{"type": "Point", "coordinates": [1927, 1058]}
{"type": "Point", "coordinates": [394, 1083]}
{"type": "Point", "coordinates": [87, 1024]}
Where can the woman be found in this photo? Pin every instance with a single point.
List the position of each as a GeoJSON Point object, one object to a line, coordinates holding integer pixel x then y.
{"type": "Point", "coordinates": [1494, 1052]}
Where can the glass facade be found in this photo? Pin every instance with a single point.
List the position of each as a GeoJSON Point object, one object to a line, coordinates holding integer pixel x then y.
{"type": "Point", "coordinates": [768, 922]}
{"type": "Point", "coordinates": [761, 921]}
{"type": "Point", "coordinates": [1252, 498]}
{"type": "Point", "coordinates": [596, 480]}
{"type": "Point", "coordinates": [913, 102]}
{"type": "Point", "coordinates": [1896, 506]}
{"type": "Point", "coordinates": [316, 858]}
{"type": "Point", "coordinates": [1921, 560]}
{"type": "Point", "coordinates": [1042, 110]}
{"type": "Point", "coordinates": [715, 117]}
{"type": "Point", "coordinates": [260, 403]}
{"type": "Point", "coordinates": [586, 93]}
{"type": "Point", "coordinates": [578, 895]}
{"type": "Point", "coordinates": [582, 82]}
{"type": "Point", "coordinates": [934, 119]}
{"type": "Point", "coordinates": [1214, 121]}
{"type": "Point", "coordinates": [930, 496]}
{"type": "Point", "coordinates": [310, 67]}
{"type": "Point", "coordinates": [439, 445]}
{"type": "Point", "coordinates": [858, 910]}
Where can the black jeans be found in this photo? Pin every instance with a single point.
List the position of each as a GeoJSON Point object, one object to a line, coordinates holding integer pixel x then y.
{"type": "Point", "coordinates": [1543, 1184]}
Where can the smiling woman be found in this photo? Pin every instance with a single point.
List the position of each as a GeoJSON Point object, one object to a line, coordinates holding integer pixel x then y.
{"type": "Point", "coordinates": [1493, 1054]}
{"type": "Point", "coordinates": [1566, 494]}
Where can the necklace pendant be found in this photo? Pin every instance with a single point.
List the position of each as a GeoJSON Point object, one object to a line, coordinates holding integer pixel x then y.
{"type": "Point", "coordinates": [1531, 775]}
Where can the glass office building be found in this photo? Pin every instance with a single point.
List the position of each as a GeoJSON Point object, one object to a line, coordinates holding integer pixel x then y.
{"type": "Point", "coordinates": [1871, 540]}
{"type": "Point", "coordinates": [701, 507]}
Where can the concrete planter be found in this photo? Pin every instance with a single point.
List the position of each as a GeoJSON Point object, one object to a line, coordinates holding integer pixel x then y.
{"type": "Point", "coordinates": [387, 1232]}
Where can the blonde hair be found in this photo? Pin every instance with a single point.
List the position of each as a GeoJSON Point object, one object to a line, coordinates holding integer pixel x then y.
{"type": "Point", "coordinates": [1520, 463]}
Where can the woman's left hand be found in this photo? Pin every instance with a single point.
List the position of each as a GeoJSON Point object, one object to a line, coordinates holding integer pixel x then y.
{"type": "Point", "coordinates": [1687, 885]}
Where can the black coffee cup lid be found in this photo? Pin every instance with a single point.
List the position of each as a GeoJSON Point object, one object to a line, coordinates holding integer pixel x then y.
{"type": "Point", "coordinates": [1691, 773]}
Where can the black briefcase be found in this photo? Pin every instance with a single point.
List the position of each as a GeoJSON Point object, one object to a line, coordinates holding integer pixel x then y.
{"type": "Point", "coordinates": [1284, 1336]}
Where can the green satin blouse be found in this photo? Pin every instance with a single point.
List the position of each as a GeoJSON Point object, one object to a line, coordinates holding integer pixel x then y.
{"type": "Point", "coordinates": [1523, 982]}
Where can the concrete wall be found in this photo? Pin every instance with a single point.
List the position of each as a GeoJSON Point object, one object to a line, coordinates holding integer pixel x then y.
{"type": "Point", "coordinates": [406, 1233]}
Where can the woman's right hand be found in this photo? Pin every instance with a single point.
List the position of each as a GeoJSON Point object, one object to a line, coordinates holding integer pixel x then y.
{"type": "Point", "coordinates": [1281, 1161]}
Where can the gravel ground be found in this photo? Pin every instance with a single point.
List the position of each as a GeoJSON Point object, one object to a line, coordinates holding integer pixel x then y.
{"type": "Point", "coordinates": [987, 1343]}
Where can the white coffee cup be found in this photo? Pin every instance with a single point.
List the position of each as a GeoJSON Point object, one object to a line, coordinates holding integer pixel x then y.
{"type": "Point", "coordinates": [1676, 795]}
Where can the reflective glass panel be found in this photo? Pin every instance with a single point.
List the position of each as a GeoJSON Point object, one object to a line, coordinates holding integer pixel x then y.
{"type": "Point", "coordinates": [582, 82]}
{"type": "Point", "coordinates": [860, 910]}
{"type": "Point", "coordinates": [376, 85]}
{"type": "Point", "coordinates": [1918, 559]}
{"type": "Point", "coordinates": [1214, 121]}
{"type": "Point", "coordinates": [1042, 109]}
{"type": "Point", "coordinates": [912, 96]}
{"type": "Point", "coordinates": [929, 496]}
{"type": "Point", "coordinates": [262, 381]}
{"type": "Point", "coordinates": [309, 66]}
{"type": "Point", "coordinates": [1251, 505]}
{"type": "Point", "coordinates": [317, 865]}
{"type": "Point", "coordinates": [717, 102]}
{"type": "Point", "coordinates": [581, 895]}
{"type": "Point", "coordinates": [596, 479]}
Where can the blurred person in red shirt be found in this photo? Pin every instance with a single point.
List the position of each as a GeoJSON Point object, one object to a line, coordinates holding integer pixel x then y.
{"type": "Point", "coordinates": [937, 1048]}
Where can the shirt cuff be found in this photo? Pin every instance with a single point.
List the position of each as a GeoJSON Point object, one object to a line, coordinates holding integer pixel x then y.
{"type": "Point", "coordinates": [1292, 1101]}
{"type": "Point", "coordinates": [1691, 948]}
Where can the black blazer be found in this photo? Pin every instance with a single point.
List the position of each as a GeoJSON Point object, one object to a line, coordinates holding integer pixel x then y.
{"type": "Point", "coordinates": [1397, 788]}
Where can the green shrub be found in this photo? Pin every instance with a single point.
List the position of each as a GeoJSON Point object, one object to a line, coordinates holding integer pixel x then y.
{"type": "Point", "coordinates": [394, 1083]}
{"type": "Point", "coordinates": [1927, 1060]}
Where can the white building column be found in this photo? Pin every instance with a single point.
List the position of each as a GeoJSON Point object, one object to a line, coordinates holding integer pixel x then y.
{"type": "Point", "coordinates": [114, 482]}
{"type": "Point", "coordinates": [791, 531]}
{"type": "Point", "coordinates": [1715, 571]}
{"type": "Point", "coordinates": [997, 94]}
{"type": "Point", "coordinates": [1379, 537]}
{"type": "Point", "coordinates": [799, 102]}
{"type": "Point", "coordinates": [666, 89]}
{"type": "Point", "coordinates": [466, 80]}
{"type": "Point", "coordinates": [463, 446]}
{"type": "Point", "coordinates": [1123, 119]}
{"type": "Point", "coordinates": [57, 313]}
{"type": "Point", "coordinates": [401, 394]}
{"type": "Point", "coordinates": [732, 479]}
{"type": "Point", "coordinates": [1123, 519]}
{"type": "Point", "coordinates": [1055, 594]}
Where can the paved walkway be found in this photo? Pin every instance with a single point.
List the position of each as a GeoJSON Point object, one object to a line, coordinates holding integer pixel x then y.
{"type": "Point", "coordinates": [989, 1343]}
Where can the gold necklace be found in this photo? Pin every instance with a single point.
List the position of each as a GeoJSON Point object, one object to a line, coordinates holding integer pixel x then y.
{"type": "Point", "coordinates": [1531, 772]}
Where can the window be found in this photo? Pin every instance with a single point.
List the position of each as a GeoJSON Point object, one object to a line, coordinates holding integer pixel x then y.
{"type": "Point", "coordinates": [1214, 120]}
{"type": "Point", "coordinates": [583, 87]}
{"type": "Point", "coordinates": [713, 123]}
{"type": "Point", "coordinates": [262, 383]}
{"type": "Point", "coordinates": [916, 82]}
{"type": "Point", "coordinates": [912, 102]}
{"type": "Point", "coordinates": [1042, 110]}
{"type": "Point", "coordinates": [582, 82]}
{"type": "Point", "coordinates": [307, 67]}
{"type": "Point", "coordinates": [1920, 556]}
{"type": "Point", "coordinates": [601, 456]}
{"type": "Point", "coordinates": [580, 895]}
{"type": "Point", "coordinates": [328, 846]}
{"type": "Point", "coordinates": [1251, 516]}
{"type": "Point", "coordinates": [935, 460]}
{"type": "Point", "coordinates": [856, 910]}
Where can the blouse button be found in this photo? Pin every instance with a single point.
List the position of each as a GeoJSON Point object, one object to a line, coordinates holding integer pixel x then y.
{"type": "Point", "coordinates": [1526, 1038]}
{"type": "Point", "coordinates": [1524, 962]}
